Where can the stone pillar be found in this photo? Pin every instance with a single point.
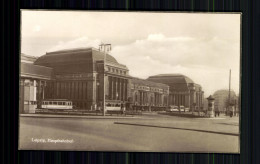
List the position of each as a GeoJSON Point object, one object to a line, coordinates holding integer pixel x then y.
{"type": "Point", "coordinates": [141, 97]}
{"type": "Point", "coordinates": [188, 100]}
{"type": "Point", "coordinates": [112, 88]}
{"type": "Point", "coordinates": [192, 99]}
{"type": "Point", "coordinates": [173, 99]}
{"type": "Point", "coordinates": [202, 99]}
{"type": "Point", "coordinates": [120, 89]}
{"type": "Point", "coordinates": [149, 102]}
{"type": "Point", "coordinates": [123, 90]}
{"type": "Point", "coordinates": [126, 90]}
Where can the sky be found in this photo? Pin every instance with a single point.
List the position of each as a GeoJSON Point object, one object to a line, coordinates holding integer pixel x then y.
{"type": "Point", "coordinates": [201, 46]}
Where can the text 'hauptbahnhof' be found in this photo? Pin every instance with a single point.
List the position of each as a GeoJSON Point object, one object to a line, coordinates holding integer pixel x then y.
{"type": "Point", "coordinates": [79, 75]}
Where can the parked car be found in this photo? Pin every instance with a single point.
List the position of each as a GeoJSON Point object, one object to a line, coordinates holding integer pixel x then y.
{"type": "Point", "coordinates": [181, 108]}
{"type": "Point", "coordinates": [173, 108]}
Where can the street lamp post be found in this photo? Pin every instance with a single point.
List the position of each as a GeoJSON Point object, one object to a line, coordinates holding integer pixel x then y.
{"type": "Point", "coordinates": [105, 48]}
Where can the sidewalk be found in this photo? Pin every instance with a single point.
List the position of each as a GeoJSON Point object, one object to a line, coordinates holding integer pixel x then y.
{"type": "Point", "coordinates": [77, 116]}
{"type": "Point", "coordinates": [194, 115]}
{"type": "Point", "coordinates": [182, 114]}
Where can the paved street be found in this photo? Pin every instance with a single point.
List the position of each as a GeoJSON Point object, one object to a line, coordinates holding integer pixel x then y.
{"type": "Point", "coordinates": [149, 132]}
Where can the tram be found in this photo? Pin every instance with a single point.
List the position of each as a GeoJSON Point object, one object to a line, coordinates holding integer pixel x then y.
{"type": "Point", "coordinates": [56, 104]}
{"type": "Point", "coordinates": [114, 105]}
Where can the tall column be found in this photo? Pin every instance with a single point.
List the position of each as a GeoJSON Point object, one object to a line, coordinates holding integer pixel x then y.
{"type": "Point", "coordinates": [126, 89]}
{"type": "Point", "coordinates": [83, 90]}
{"type": "Point", "coordinates": [192, 98]}
{"type": "Point", "coordinates": [183, 99]}
{"type": "Point", "coordinates": [199, 100]}
{"type": "Point", "coordinates": [112, 88]}
{"type": "Point", "coordinates": [141, 102]}
{"type": "Point", "coordinates": [116, 90]}
{"type": "Point", "coordinates": [155, 99]}
{"type": "Point", "coordinates": [172, 99]}
{"type": "Point", "coordinates": [80, 90]}
{"type": "Point", "coordinates": [202, 98]}
{"type": "Point", "coordinates": [108, 86]}
{"type": "Point", "coordinates": [123, 90]}
{"type": "Point", "coordinates": [119, 88]}
{"type": "Point", "coordinates": [177, 99]}
{"type": "Point", "coordinates": [188, 100]}
{"type": "Point", "coordinates": [72, 90]}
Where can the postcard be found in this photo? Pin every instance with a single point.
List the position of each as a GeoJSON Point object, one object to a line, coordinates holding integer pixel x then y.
{"type": "Point", "coordinates": [130, 81]}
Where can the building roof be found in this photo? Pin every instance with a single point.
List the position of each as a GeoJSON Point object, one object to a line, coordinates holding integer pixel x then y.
{"type": "Point", "coordinates": [35, 71]}
{"type": "Point", "coordinates": [78, 55]}
{"type": "Point", "coordinates": [27, 58]}
{"type": "Point", "coordinates": [148, 83]}
{"type": "Point", "coordinates": [223, 92]}
{"type": "Point", "coordinates": [171, 78]}
{"type": "Point", "coordinates": [177, 82]}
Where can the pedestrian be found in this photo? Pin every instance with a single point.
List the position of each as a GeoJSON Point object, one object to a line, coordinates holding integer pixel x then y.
{"type": "Point", "coordinates": [231, 113]}
{"type": "Point", "coordinates": [124, 112]}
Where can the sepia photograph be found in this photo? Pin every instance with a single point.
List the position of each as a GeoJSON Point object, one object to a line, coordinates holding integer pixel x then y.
{"type": "Point", "coordinates": [130, 81]}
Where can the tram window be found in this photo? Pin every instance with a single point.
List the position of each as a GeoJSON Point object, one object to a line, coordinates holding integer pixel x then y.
{"type": "Point", "coordinates": [50, 102]}
{"type": "Point", "coordinates": [54, 103]}
{"type": "Point", "coordinates": [59, 103]}
{"type": "Point", "coordinates": [63, 103]}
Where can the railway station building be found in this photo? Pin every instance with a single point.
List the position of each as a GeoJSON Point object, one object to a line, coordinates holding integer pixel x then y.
{"type": "Point", "coordinates": [182, 90]}
{"type": "Point", "coordinates": [148, 95]}
{"type": "Point", "coordinates": [78, 75]}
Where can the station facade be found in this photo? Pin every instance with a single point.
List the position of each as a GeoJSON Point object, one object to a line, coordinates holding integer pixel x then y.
{"type": "Point", "coordinates": [182, 90]}
{"type": "Point", "coordinates": [78, 75]}
{"type": "Point", "coordinates": [147, 95]}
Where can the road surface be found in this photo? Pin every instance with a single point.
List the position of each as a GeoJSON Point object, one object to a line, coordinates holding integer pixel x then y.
{"type": "Point", "coordinates": [147, 133]}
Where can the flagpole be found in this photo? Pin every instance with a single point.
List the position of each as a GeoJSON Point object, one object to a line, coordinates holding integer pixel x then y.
{"type": "Point", "coordinates": [106, 48]}
{"type": "Point", "coordinates": [229, 89]}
